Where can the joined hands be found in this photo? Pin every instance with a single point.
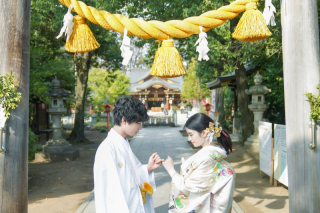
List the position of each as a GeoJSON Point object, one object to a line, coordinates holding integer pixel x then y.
{"type": "Point", "coordinates": [155, 162]}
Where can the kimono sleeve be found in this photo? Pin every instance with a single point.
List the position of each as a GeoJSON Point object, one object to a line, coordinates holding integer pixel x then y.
{"type": "Point", "coordinates": [197, 179]}
{"type": "Point", "coordinates": [223, 198]}
{"type": "Point", "coordinates": [146, 176]}
{"type": "Point", "coordinates": [108, 192]}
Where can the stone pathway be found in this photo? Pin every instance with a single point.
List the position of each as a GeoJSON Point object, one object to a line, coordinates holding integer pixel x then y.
{"type": "Point", "coordinates": [166, 141]}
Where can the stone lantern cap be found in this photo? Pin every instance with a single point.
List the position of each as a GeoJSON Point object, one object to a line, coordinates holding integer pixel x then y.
{"type": "Point", "coordinates": [258, 89]}
{"type": "Point", "coordinates": [56, 92]}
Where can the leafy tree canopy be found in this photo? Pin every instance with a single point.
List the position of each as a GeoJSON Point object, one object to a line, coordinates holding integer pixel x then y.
{"type": "Point", "coordinates": [106, 85]}
{"type": "Point", "coordinates": [192, 89]}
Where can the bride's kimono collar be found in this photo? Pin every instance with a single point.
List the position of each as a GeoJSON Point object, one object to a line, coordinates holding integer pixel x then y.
{"type": "Point", "coordinates": [127, 153]}
{"type": "Point", "coordinates": [217, 148]}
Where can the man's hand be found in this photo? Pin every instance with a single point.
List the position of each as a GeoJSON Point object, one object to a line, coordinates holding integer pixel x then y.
{"type": "Point", "coordinates": [154, 162]}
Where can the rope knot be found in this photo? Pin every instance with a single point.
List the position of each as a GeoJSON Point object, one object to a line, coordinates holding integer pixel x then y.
{"type": "Point", "coordinates": [168, 43]}
{"type": "Point", "coordinates": [251, 6]}
{"type": "Point", "coordinates": [79, 20]}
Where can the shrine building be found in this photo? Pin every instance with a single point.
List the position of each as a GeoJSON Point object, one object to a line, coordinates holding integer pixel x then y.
{"type": "Point", "coordinates": [153, 91]}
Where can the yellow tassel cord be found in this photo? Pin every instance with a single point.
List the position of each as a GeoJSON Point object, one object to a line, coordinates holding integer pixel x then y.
{"type": "Point", "coordinates": [81, 40]}
{"type": "Point", "coordinates": [252, 26]}
{"type": "Point", "coordinates": [173, 28]}
{"type": "Point", "coordinates": [167, 62]}
{"type": "Point", "coordinates": [147, 188]}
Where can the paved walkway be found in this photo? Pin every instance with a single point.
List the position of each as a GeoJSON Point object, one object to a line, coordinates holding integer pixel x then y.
{"type": "Point", "coordinates": [166, 141]}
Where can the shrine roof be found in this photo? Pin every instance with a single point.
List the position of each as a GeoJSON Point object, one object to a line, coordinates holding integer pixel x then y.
{"type": "Point", "coordinates": [141, 79]}
{"type": "Point", "coordinates": [230, 79]}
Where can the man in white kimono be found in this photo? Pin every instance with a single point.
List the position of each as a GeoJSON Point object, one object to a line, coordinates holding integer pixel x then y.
{"type": "Point", "coordinates": [117, 171]}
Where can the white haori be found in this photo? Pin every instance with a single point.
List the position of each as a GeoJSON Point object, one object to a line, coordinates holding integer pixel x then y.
{"type": "Point", "coordinates": [117, 175]}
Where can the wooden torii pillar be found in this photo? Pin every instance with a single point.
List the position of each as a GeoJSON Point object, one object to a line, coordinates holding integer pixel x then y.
{"type": "Point", "coordinates": [300, 43]}
{"type": "Point", "coordinates": [15, 57]}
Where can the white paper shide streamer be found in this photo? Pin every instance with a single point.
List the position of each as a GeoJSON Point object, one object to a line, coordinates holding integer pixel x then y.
{"type": "Point", "coordinates": [67, 24]}
{"type": "Point", "coordinates": [203, 48]}
{"type": "Point", "coordinates": [268, 13]}
{"type": "Point", "coordinates": [126, 53]}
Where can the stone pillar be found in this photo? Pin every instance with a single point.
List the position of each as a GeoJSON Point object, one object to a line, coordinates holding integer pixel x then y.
{"type": "Point", "coordinates": [258, 106]}
{"type": "Point", "coordinates": [146, 101]}
{"type": "Point", "coordinates": [57, 148]}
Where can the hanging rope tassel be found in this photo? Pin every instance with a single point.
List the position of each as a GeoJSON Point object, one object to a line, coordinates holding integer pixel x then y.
{"type": "Point", "coordinates": [81, 40]}
{"type": "Point", "coordinates": [203, 48]}
{"type": "Point", "coordinates": [167, 62]}
{"type": "Point", "coordinates": [268, 13]}
{"type": "Point", "coordinates": [252, 26]}
{"type": "Point", "coordinates": [126, 53]}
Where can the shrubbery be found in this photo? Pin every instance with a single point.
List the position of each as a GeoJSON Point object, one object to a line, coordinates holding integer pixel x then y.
{"type": "Point", "coordinates": [32, 139]}
{"type": "Point", "coordinates": [98, 126]}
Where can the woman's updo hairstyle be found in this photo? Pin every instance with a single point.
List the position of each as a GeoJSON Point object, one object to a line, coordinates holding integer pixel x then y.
{"type": "Point", "coordinates": [200, 122]}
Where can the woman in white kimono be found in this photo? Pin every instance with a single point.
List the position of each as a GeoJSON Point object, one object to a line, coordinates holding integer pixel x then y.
{"type": "Point", "coordinates": [206, 181]}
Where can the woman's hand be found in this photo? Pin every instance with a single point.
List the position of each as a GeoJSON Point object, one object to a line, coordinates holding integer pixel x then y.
{"type": "Point", "coordinates": [169, 166]}
{"type": "Point", "coordinates": [154, 162]}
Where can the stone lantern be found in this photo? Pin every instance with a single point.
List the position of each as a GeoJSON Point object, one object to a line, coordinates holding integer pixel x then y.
{"type": "Point", "coordinates": [57, 148]}
{"type": "Point", "coordinates": [257, 106]}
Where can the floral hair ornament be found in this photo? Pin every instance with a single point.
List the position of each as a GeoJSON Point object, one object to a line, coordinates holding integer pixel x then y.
{"type": "Point", "coordinates": [213, 131]}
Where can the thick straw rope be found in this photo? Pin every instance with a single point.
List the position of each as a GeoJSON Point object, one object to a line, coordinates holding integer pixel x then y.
{"type": "Point", "coordinates": [157, 29]}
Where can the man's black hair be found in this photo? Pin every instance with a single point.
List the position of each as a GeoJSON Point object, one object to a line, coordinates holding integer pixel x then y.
{"type": "Point", "coordinates": [129, 108]}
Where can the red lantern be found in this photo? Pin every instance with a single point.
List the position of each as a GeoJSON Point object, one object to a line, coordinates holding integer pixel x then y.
{"type": "Point", "coordinates": [208, 107]}
{"type": "Point", "coordinates": [107, 109]}
{"type": "Point", "coordinates": [43, 106]}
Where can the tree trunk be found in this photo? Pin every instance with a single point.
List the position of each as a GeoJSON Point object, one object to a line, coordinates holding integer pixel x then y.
{"type": "Point", "coordinates": [301, 59]}
{"type": "Point", "coordinates": [83, 65]}
{"type": "Point", "coordinates": [15, 57]}
{"type": "Point", "coordinates": [246, 113]}
{"type": "Point", "coordinates": [220, 99]}
{"type": "Point", "coordinates": [243, 98]}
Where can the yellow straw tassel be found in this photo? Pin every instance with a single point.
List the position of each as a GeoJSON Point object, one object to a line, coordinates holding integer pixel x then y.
{"type": "Point", "coordinates": [81, 40]}
{"type": "Point", "coordinates": [167, 62]}
{"type": "Point", "coordinates": [252, 26]}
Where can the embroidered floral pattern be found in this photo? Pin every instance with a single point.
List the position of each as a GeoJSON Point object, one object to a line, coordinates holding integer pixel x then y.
{"type": "Point", "coordinates": [221, 171]}
{"type": "Point", "coordinates": [190, 168]}
{"type": "Point", "coordinates": [216, 156]}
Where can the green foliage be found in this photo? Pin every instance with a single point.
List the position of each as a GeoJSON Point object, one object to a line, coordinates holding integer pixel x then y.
{"type": "Point", "coordinates": [99, 126]}
{"type": "Point", "coordinates": [175, 108]}
{"type": "Point", "coordinates": [203, 110]}
{"type": "Point", "coordinates": [191, 88]}
{"type": "Point", "coordinates": [106, 85]}
{"type": "Point", "coordinates": [48, 57]}
{"type": "Point", "coordinates": [32, 139]}
{"type": "Point", "coordinates": [103, 130]}
{"type": "Point", "coordinates": [314, 102]}
{"type": "Point", "coordinates": [189, 105]}
{"type": "Point", "coordinates": [228, 108]}
{"type": "Point", "coordinates": [9, 97]}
